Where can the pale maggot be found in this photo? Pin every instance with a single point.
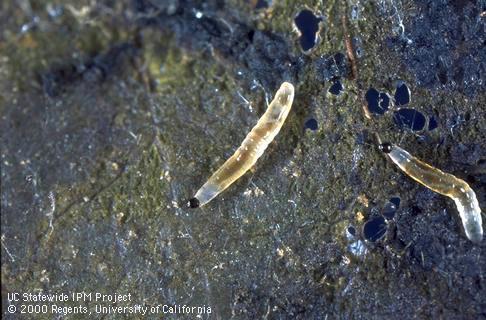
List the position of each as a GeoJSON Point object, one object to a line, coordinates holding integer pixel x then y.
{"type": "Point", "coordinates": [251, 148]}
{"type": "Point", "coordinates": [444, 183]}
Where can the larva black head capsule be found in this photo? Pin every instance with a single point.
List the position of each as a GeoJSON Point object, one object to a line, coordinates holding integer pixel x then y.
{"type": "Point", "coordinates": [385, 147]}
{"type": "Point", "coordinates": [193, 203]}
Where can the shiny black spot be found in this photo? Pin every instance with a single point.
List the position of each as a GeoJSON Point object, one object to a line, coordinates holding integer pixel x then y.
{"type": "Point", "coordinates": [352, 230]}
{"type": "Point", "coordinates": [337, 88]}
{"type": "Point", "coordinates": [251, 35]}
{"type": "Point", "coordinates": [261, 4]}
{"type": "Point", "coordinates": [378, 102]}
{"type": "Point", "coordinates": [395, 201]}
{"type": "Point", "coordinates": [193, 203]}
{"type": "Point", "coordinates": [385, 147]}
{"type": "Point", "coordinates": [374, 229]}
{"type": "Point", "coordinates": [432, 123]}
{"type": "Point", "coordinates": [402, 94]}
{"type": "Point", "coordinates": [391, 208]}
{"type": "Point", "coordinates": [311, 124]}
{"type": "Point", "coordinates": [409, 119]}
{"type": "Point", "coordinates": [308, 25]}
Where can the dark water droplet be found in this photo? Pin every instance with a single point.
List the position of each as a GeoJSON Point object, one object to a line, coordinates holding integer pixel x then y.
{"type": "Point", "coordinates": [409, 119]}
{"type": "Point", "coordinates": [311, 124]}
{"type": "Point", "coordinates": [352, 230]}
{"type": "Point", "coordinates": [337, 88]}
{"type": "Point", "coordinates": [402, 94]}
{"type": "Point", "coordinates": [374, 229]}
{"type": "Point", "coordinates": [391, 208]}
{"type": "Point", "coordinates": [308, 25]}
{"type": "Point", "coordinates": [261, 4]}
{"type": "Point", "coordinates": [432, 123]}
{"type": "Point", "coordinates": [395, 201]}
{"type": "Point", "coordinates": [377, 102]}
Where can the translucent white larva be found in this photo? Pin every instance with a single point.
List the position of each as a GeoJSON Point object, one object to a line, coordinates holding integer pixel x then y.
{"type": "Point", "coordinates": [443, 183]}
{"type": "Point", "coordinates": [251, 148]}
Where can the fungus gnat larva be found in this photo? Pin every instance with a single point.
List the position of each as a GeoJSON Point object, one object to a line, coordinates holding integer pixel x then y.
{"type": "Point", "coordinates": [443, 183]}
{"type": "Point", "coordinates": [251, 148]}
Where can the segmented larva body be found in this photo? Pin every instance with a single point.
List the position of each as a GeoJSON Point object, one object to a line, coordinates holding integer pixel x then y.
{"type": "Point", "coordinates": [251, 148]}
{"type": "Point", "coordinates": [443, 183]}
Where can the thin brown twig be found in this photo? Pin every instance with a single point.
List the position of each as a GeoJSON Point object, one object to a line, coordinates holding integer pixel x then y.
{"type": "Point", "coordinates": [354, 63]}
{"type": "Point", "coordinates": [349, 49]}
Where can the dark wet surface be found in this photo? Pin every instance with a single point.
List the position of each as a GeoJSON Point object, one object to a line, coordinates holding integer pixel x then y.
{"type": "Point", "coordinates": [114, 113]}
{"type": "Point", "coordinates": [445, 26]}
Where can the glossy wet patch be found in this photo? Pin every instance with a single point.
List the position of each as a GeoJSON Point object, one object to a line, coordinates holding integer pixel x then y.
{"type": "Point", "coordinates": [311, 124]}
{"type": "Point", "coordinates": [391, 208]}
{"type": "Point", "coordinates": [351, 230]}
{"type": "Point", "coordinates": [378, 102]}
{"type": "Point", "coordinates": [409, 119]}
{"type": "Point", "coordinates": [261, 4]}
{"type": "Point", "coordinates": [395, 201]}
{"type": "Point", "coordinates": [374, 229]}
{"type": "Point", "coordinates": [308, 25]}
{"type": "Point", "coordinates": [402, 94]}
{"type": "Point", "coordinates": [336, 88]}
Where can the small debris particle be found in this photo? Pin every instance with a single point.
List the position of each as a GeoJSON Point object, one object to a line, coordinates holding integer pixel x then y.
{"type": "Point", "coordinates": [359, 216]}
{"type": "Point", "coordinates": [363, 199]}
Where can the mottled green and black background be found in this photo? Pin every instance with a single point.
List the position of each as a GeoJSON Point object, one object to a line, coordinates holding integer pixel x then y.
{"type": "Point", "coordinates": [115, 112]}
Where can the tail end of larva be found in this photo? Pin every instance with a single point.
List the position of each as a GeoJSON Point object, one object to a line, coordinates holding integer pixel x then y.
{"type": "Point", "coordinates": [470, 214]}
{"type": "Point", "coordinates": [476, 237]}
{"type": "Point", "coordinates": [193, 203]}
{"type": "Point", "coordinates": [474, 232]}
